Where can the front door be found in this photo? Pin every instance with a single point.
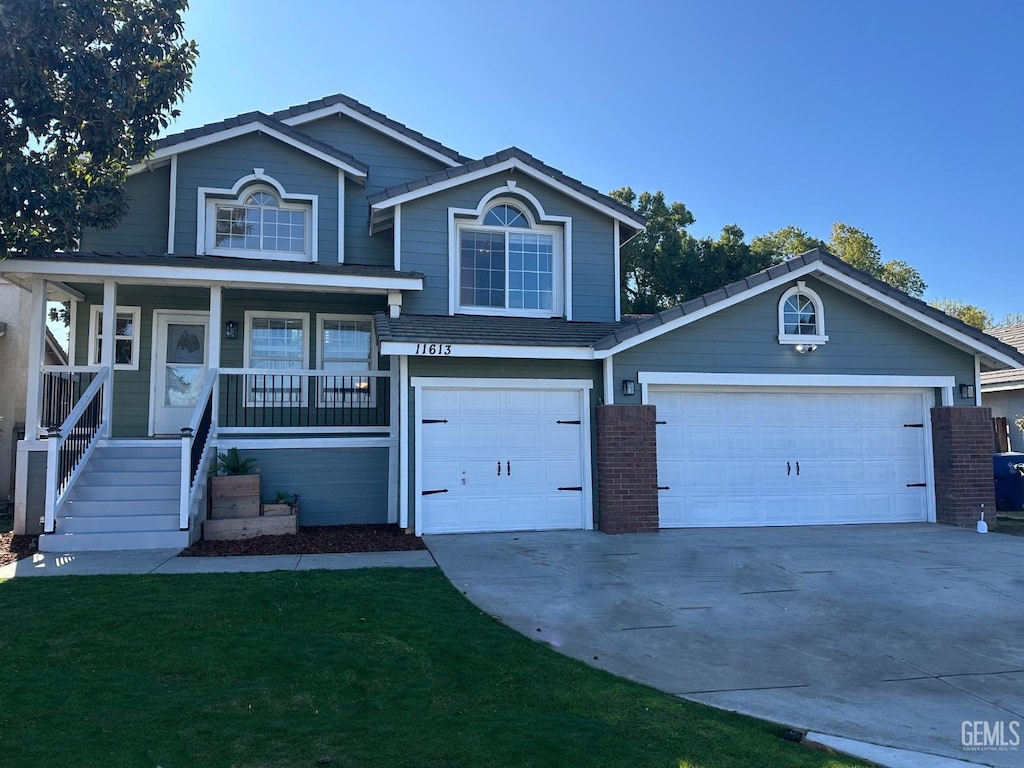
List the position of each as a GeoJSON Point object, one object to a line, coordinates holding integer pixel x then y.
{"type": "Point", "coordinates": [179, 369]}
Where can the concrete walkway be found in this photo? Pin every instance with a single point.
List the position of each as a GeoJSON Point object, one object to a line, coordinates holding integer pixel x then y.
{"type": "Point", "coordinates": [893, 635]}
{"type": "Point", "coordinates": [166, 561]}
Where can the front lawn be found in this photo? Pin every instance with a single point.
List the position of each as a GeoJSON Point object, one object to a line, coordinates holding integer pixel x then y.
{"type": "Point", "coordinates": [364, 668]}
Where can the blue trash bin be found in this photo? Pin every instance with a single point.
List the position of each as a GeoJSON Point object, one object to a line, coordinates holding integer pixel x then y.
{"type": "Point", "coordinates": [1008, 469]}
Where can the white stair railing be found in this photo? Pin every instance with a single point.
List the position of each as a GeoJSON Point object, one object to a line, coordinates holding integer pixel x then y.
{"type": "Point", "coordinates": [196, 443]}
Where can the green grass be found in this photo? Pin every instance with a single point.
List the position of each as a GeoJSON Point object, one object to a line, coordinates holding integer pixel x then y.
{"type": "Point", "coordinates": [1014, 526]}
{"type": "Point", "coordinates": [370, 668]}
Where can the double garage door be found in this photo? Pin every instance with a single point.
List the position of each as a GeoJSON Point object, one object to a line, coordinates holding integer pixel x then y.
{"type": "Point", "coordinates": [778, 457]}
{"type": "Point", "coordinates": [502, 459]}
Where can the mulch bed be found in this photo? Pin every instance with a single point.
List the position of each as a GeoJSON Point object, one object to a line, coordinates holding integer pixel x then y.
{"type": "Point", "coordinates": [14, 548]}
{"type": "Point", "coordinates": [313, 540]}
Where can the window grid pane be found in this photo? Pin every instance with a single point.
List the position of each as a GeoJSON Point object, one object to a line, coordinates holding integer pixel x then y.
{"type": "Point", "coordinates": [260, 226]}
{"type": "Point", "coordinates": [482, 269]}
{"type": "Point", "coordinates": [345, 345]}
{"type": "Point", "coordinates": [798, 316]}
{"type": "Point", "coordinates": [530, 271]}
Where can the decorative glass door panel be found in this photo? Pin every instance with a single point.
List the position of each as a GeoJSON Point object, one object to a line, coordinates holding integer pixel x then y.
{"type": "Point", "coordinates": [180, 370]}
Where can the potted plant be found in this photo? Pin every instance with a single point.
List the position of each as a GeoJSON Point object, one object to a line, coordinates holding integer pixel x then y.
{"type": "Point", "coordinates": [235, 488]}
{"type": "Point", "coordinates": [284, 503]}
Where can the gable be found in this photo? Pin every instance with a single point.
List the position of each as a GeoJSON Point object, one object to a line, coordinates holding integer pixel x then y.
{"type": "Point", "coordinates": [144, 226]}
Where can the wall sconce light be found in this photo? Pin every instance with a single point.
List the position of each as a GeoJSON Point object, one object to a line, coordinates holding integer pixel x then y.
{"type": "Point", "coordinates": [967, 391]}
{"type": "Point", "coordinates": [230, 330]}
{"type": "Point", "coordinates": [628, 387]}
{"type": "Point", "coordinates": [803, 349]}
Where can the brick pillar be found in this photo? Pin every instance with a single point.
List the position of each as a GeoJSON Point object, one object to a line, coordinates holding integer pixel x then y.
{"type": "Point", "coordinates": [627, 469]}
{"type": "Point", "coordinates": [962, 448]}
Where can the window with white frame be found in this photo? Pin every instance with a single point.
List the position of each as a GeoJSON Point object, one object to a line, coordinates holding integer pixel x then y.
{"type": "Point", "coordinates": [259, 223]}
{"type": "Point", "coordinates": [276, 342]}
{"type": "Point", "coordinates": [126, 337]}
{"type": "Point", "coordinates": [801, 316]}
{"type": "Point", "coordinates": [345, 343]}
{"type": "Point", "coordinates": [508, 264]}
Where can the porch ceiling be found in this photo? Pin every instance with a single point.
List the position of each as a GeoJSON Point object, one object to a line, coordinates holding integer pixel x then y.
{"type": "Point", "coordinates": [161, 269]}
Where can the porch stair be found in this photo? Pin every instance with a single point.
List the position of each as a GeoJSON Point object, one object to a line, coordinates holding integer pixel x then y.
{"type": "Point", "coordinates": [125, 498]}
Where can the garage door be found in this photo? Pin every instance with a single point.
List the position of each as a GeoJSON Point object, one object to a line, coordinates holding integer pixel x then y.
{"type": "Point", "coordinates": [745, 458]}
{"type": "Point", "coordinates": [501, 460]}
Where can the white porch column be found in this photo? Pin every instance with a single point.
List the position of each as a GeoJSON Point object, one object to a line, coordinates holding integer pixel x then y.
{"type": "Point", "coordinates": [213, 345]}
{"type": "Point", "coordinates": [36, 356]}
{"type": "Point", "coordinates": [107, 351]}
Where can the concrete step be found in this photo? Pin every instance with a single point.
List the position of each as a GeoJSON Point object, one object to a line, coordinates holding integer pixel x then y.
{"type": "Point", "coordinates": [156, 451]}
{"type": "Point", "coordinates": [118, 523]}
{"type": "Point", "coordinates": [92, 478]}
{"type": "Point", "coordinates": [141, 463]}
{"type": "Point", "coordinates": [102, 542]}
{"type": "Point", "coordinates": [124, 492]}
{"type": "Point", "coordinates": [146, 507]}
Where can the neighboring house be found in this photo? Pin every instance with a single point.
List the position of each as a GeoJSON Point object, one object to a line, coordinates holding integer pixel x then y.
{"type": "Point", "coordinates": [399, 333]}
{"type": "Point", "coordinates": [1003, 391]}
{"type": "Point", "coordinates": [15, 302]}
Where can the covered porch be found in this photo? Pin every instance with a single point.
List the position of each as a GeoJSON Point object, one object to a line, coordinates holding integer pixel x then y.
{"type": "Point", "coordinates": [279, 362]}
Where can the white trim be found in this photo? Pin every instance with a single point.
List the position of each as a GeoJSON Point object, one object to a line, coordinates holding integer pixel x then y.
{"type": "Point", "coordinates": [394, 441]}
{"type": "Point", "coordinates": [36, 358]}
{"type": "Point", "coordinates": [397, 235]}
{"type": "Point", "coordinates": [403, 442]}
{"type": "Point", "coordinates": [559, 227]}
{"type": "Point", "coordinates": [839, 381]}
{"type": "Point", "coordinates": [977, 379]}
{"type": "Point", "coordinates": [272, 430]}
{"type": "Point", "coordinates": [608, 370]}
{"type": "Point", "coordinates": [1003, 386]}
{"type": "Point", "coordinates": [172, 204]}
{"type": "Point", "coordinates": [243, 130]}
{"type": "Point", "coordinates": [818, 337]}
{"type": "Point", "coordinates": [582, 386]}
{"type": "Point", "coordinates": [341, 219]}
{"type": "Point", "coordinates": [512, 164]}
{"type": "Point", "coordinates": [521, 352]}
{"type": "Point", "coordinates": [183, 274]}
{"type": "Point", "coordinates": [305, 442]}
{"type": "Point", "coordinates": [616, 236]}
{"type": "Point", "coordinates": [929, 463]}
{"type": "Point", "coordinates": [359, 117]}
{"type": "Point", "coordinates": [72, 330]}
{"type": "Point", "coordinates": [94, 333]}
{"type": "Point", "coordinates": [107, 355]}
{"type": "Point", "coordinates": [206, 219]}
{"type": "Point", "coordinates": [838, 279]}
{"type": "Point", "coordinates": [158, 343]}
{"type": "Point", "coordinates": [63, 292]}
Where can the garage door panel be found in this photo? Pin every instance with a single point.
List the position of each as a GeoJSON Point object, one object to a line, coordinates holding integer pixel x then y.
{"type": "Point", "coordinates": [855, 456]}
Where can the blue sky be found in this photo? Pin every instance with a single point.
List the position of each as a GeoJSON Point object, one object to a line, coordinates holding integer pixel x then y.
{"type": "Point", "coordinates": [903, 118]}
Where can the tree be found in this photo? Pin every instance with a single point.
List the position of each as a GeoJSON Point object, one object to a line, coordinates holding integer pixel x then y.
{"type": "Point", "coordinates": [710, 264]}
{"type": "Point", "coordinates": [784, 244]}
{"type": "Point", "coordinates": [968, 313]}
{"type": "Point", "coordinates": [86, 86]}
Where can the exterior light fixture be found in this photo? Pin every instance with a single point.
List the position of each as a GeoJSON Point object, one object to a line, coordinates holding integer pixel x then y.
{"type": "Point", "coordinates": [967, 391]}
{"type": "Point", "coordinates": [628, 387]}
{"type": "Point", "coordinates": [803, 349]}
{"type": "Point", "coordinates": [230, 330]}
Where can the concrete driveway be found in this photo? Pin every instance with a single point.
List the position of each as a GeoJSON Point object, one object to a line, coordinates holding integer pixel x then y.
{"type": "Point", "coordinates": [890, 634]}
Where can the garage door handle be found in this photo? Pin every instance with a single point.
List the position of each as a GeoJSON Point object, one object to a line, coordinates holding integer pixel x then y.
{"type": "Point", "coordinates": [917, 485]}
{"type": "Point", "coordinates": [499, 469]}
{"type": "Point", "coordinates": [798, 469]}
{"type": "Point", "coordinates": [508, 467]}
{"type": "Point", "coordinates": [789, 469]}
{"type": "Point", "coordinates": [561, 421]}
{"type": "Point", "coordinates": [919, 426]}
{"type": "Point", "coordinates": [431, 493]}
{"type": "Point", "coordinates": [571, 488]}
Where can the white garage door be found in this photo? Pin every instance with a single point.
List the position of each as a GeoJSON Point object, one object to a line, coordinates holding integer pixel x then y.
{"type": "Point", "coordinates": [744, 458]}
{"type": "Point", "coordinates": [501, 460]}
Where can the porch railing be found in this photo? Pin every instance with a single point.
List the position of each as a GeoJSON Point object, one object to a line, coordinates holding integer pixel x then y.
{"type": "Point", "coordinates": [196, 450]}
{"type": "Point", "coordinates": [61, 388]}
{"type": "Point", "coordinates": [254, 399]}
{"type": "Point", "coordinates": [70, 445]}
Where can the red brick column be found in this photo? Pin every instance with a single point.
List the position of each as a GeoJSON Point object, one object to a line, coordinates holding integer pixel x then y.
{"type": "Point", "coordinates": [627, 469]}
{"type": "Point", "coordinates": [962, 448]}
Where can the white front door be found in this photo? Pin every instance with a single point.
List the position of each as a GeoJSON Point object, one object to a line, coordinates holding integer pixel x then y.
{"type": "Point", "coordinates": [179, 368]}
{"type": "Point", "coordinates": [502, 459]}
{"type": "Point", "coordinates": [747, 458]}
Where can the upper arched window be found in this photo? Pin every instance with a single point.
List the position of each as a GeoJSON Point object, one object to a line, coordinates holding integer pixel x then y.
{"type": "Point", "coordinates": [509, 264]}
{"type": "Point", "coordinates": [801, 316]}
{"type": "Point", "coordinates": [259, 223]}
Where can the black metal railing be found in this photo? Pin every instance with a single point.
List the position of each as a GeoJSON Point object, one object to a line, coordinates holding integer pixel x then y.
{"type": "Point", "coordinates": [61, 389]}
{"type": "Point", "coordinates": [298, 400]}
{"type": "Point", "coordinates": [200, 438]}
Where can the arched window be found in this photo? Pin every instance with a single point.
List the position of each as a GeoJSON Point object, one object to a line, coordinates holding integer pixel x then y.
{"type": "Point", "coordinates": [259, 223]}
{"type": "Point", "coordinates": [801, 316]}
{"type": "Point", "coordinates": [508, 264]}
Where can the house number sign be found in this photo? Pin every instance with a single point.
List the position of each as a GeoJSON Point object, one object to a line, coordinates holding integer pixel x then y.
{"type": "Point", "coordinates": [436, 350]}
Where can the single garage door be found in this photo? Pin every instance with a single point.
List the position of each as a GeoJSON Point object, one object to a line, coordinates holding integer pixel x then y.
{"type": "Point", "coordinates": [769, 457]}
{"type": "Point", "coordinates": [501, 459]}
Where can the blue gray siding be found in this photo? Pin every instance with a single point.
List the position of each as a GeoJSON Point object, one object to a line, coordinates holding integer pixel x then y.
{"type": "Point", "coordinates": [336, 486]}
{"type": "Point", "coordinates": [425, 245]}
{"type": "Point", "coordinates": [863, 340]}
{"type": "Point", "coordinates": [144, 227]}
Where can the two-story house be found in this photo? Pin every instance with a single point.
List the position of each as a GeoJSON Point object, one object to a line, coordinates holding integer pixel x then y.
{"type": "Point", "coordinates": [399, 333]}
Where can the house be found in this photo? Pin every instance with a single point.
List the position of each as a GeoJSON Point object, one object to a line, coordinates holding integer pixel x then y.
{"type": "Point", "coordinates": [400, 333]}
{"type": "Point", "coordinates": [14, 311]}
{"type": "Point", "coordinates": [1003, 391]}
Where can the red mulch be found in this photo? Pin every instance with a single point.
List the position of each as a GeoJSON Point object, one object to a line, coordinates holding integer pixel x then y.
{"type": "Point", "coordinates": [15, 547]}
{"type": "Point", "coordinates": [313, 540]}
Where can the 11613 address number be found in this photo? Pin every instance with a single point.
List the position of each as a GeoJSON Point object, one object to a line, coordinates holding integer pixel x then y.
{"type": "Point", "coordinates": [442, 350]}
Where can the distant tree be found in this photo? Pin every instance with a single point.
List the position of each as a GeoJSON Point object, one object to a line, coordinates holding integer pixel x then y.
{"type": "Point", "coordinates": [968, 313]}
{"type": "Point", "coordinates": [709, 264]}
{"type": "Point", "coordinates": [1011, 318]}
{"type": "Point", "coordinates": [785, 243]}
{"type": "Point", "coordinates": [85, 86]}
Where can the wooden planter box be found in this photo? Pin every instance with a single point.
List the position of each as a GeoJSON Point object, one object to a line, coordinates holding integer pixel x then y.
{"type": "Point", "coordinates": [248, 527]}
{"type": "Point", "coordinates": [234, 496]}
{"type": "Point", "coordinates": [273, 510]}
